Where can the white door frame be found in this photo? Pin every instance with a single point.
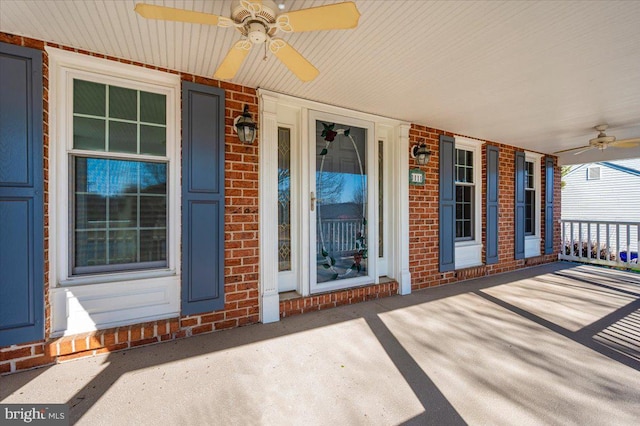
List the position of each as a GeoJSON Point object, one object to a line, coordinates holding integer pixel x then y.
{"type": "Point", "coordinates": [395, 133]}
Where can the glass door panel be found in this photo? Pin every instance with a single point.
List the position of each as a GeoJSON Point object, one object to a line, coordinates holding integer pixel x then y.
{"type": "Point", "coordinates": [284, 199]}
{"type": "Point", "coordinates": [340, 206]}
{"type": "Point", "coordinates": [287, 221]}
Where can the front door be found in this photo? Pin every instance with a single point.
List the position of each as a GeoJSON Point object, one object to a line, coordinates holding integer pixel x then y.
{"type": "Point", "coordinates": [341, 203]}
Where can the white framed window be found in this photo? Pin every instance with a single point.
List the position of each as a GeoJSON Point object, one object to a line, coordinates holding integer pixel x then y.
{"type": "Point", "coordinates": [114, 185]}
{"type": "Point", "coordinates": [593, 173]}
{"type": "Point", "coordinates": [118, 169]}
{"type": "Point", "coordinates": [530, 192]}
{"type": "Point", "coordinates": [532, 185]}
{"type": "Point", "coordinates": [468, 183]}
{"type": "Point", "coordinates": [465, 194]}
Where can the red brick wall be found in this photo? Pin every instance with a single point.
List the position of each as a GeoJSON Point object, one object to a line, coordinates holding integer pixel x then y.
{"type": "Point", "coordinates": [241, 243]}
{"type": "Point", "coordinates": [323, 301]}
{"type": "Point", "coordinates": [423, 217]}
{"type": "Point", "coordinates": [423, 214]}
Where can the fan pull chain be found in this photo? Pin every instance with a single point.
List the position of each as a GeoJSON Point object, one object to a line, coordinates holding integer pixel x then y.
{"type": "Point", "coordinates": [265, 51]}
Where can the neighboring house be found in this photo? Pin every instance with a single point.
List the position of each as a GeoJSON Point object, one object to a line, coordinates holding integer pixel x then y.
{"type": "Point", "coordinates": [131, 214]}
{"type": "Point", "coordinates": [607, 190]}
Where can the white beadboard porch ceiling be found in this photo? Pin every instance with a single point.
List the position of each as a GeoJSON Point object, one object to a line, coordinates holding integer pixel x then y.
{"type": "Point", "coordinates": [537, 75]}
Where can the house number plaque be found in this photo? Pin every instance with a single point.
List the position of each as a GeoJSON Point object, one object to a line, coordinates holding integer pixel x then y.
{"type": "Point", "coordinates": [416, 177]}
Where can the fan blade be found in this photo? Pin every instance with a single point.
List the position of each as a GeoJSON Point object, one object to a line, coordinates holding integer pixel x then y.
{"type": "Point", "coordinates": [296, 63]}
{"type": "Point", "coordinates": [339, 16]}
{"type": "Point", "coordinates": [627, 143]}
{"type": "Point", "coordinates": [150, 11]}
{"type": "Point", "coordinates": [583, 148]}
{"type": "Point", "coordinates": [232, 62]}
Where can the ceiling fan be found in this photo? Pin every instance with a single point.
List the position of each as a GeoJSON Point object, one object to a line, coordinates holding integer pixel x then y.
{"type": "Point", "coordinates": [602, 141]}
{"type": "Point", "coordinates": [258, 22]}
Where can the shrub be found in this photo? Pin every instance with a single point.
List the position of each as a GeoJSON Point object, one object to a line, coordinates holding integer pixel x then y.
{"type": "Point", "coordinates": [573, 248]}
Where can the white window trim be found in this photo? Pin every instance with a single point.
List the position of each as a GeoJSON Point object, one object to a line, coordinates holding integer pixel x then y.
{"type": "Point", "coordinates": [82, 304]}
{"type": "Point", "coordinates": [469, 253]}
{"type": "Point", "coordinates": [271, 106]}
{"type": "Point", "coordinates": [532, 242]}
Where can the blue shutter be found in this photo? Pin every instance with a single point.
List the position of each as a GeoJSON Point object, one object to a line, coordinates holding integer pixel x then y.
{"type": "Point", "coordinates": [492, 205]}
{"type": "Point", "coordinates": [21, 196]}
{"type": "Point", "coordinates": [447, 234]}
{"type": "Point", "coordinates": [202, 198]}
{"type": "Point", "coordinates": [548, 206]}
{"type": "Point", "coordinates": [520, 205]}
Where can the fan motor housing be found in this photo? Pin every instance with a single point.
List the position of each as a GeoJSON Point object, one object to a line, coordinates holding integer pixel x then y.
{"type": "Point", "coordinates": [255, 27]}
{"type": "Point", "coordinates": [265, 9]}
{"type": "Point", "coordinates": [602, 139]}
{"type": "Point", "coordinates": [256, 32]}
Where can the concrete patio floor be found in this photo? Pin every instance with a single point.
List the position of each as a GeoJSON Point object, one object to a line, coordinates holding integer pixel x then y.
{"type": "Point", "coordinates": [553, 344]}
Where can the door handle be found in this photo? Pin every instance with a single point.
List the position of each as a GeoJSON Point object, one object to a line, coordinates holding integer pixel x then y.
{"type": "Point", "coordinates": [313, 201]}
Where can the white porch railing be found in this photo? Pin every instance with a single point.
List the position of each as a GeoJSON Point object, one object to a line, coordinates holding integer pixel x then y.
{"type": "Point", "coordinates": [339, 236]}
{"type": "Point", "coordinates": [601, 242]}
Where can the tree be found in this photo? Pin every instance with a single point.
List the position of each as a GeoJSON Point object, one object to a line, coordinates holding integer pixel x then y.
{"type": "Point", "coordinates": [329, 187]}
{"type": "Point", "coordinates": [359, 196]}
{"type": "Point", "coordinates": [563, 172]}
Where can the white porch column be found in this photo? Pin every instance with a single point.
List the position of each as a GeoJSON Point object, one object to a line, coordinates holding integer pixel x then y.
{"type": "Point", "coordinates": [268, 207]}
{"type": "Point", "coordinates": [402, 201]}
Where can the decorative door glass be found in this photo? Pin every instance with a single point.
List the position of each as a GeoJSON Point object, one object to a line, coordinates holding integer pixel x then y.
{"type": "Point", "coordinates": [380, 199]}
{"type": "Point", "coordinates": [340, 202]}
{"type": "Point", "coordinates": [284, 199]}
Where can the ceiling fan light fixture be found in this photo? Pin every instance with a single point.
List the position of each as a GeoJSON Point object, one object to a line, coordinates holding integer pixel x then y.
{"type": "Point", "coordinates": [256, 32]}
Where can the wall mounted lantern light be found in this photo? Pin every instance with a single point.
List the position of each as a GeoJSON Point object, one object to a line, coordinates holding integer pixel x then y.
{"type": "Point", "coordinates": [421, 153]}
{"type": "Point", "coordinates": [245, 127]}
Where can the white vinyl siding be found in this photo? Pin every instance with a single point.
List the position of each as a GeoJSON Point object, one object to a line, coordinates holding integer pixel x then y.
{"type": "Point", "coordinates": [613, 197]}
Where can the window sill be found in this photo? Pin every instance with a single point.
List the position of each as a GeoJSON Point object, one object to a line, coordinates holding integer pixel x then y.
{"type": "Point", "coordinates": [468, 254]}
{"type": "Point", "coordinates": [470, 243]}
{"type": "Point", "coordinates": [90, 305]}
{"type": "Point", "coordinates": [116, 277]}
{"type": "Point", "coordinates": [531, 246]}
